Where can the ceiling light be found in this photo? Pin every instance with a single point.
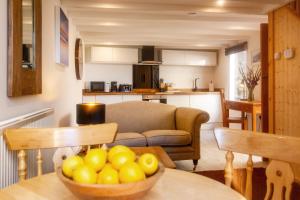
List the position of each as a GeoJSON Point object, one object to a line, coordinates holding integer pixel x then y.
{"type": "Point", "coordinates": [220, 2]}
{"type": "Point", "coordinates": [111, 6]}
{"type": "Point", "coordinates": [201, 45]}
{"type": "Point", "coordinates": [108, 24]}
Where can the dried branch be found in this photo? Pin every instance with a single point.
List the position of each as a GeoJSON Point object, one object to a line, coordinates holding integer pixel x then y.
{"type": "Point", "coordinates": [252, 76]}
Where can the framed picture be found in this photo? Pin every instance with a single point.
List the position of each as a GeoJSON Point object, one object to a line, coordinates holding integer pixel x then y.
{"type": "Point", "coordinates": [255, 57]}
{"type": "Point", "coordinates": [61, 37]}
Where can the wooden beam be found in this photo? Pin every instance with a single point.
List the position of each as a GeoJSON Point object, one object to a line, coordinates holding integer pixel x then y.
{"type": "Point", "coordinates": [271, 75]}
{"type": "Point", "coordinates": [264, 42]}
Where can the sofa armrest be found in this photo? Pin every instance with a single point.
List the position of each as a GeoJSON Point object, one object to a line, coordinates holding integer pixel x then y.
{"type": "Point", "coordinates": [190, 119]}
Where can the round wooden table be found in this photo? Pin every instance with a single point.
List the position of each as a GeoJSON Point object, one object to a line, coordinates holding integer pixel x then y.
{"type": "Point", "coordinates": [173, 185]}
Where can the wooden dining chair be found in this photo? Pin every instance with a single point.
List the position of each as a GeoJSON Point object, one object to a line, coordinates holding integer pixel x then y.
{"type": "Point", "coordinates": [23, 139]}
{"type": "Point", "coordinates": [225, 114]}
{"type": "Point", "coordinates": [281, 150]}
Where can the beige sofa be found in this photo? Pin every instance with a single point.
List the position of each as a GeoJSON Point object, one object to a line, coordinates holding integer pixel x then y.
{"type": "Point", "coordinates": [177, 130]}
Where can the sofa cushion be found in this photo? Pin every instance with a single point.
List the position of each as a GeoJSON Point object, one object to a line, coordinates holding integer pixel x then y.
{"type": "Point", "coordinates": [129, 139]}
{"type": "Point", "coordinates": [168, 138]}
{"type": "Point", "coordinates": [140, 116]}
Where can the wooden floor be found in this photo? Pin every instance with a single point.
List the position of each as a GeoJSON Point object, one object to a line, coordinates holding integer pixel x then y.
{"type": "Point", "coordinates": [259, 182]}
{"type": "Point", "coordinates": [214, 159]}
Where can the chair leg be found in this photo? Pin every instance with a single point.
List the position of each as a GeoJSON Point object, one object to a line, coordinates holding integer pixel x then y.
{"type": "Point", "coordinates": [195, 164]}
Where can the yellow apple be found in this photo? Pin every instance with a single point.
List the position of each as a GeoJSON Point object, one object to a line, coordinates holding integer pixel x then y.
{"type": "Point", "coordinates": [131, 172]}
{"type": "Point", "coordinates": [85, 174]}
{"type": "Point", "coordinates": [70, 164]}
{"type": "Point", "coordinates": [149, 163]}
{"type": "Point", "coordinates": [96, 158]}
{"type": "Point", "coordinates": [108, 176]}
{"type": "Point", "coordinates": [118, 149]}
{"type": "Point", "coordinates": [122, 158]}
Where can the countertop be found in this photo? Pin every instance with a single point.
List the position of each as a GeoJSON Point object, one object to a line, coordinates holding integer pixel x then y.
{"type": "Point", "coordinates": [153, 92]}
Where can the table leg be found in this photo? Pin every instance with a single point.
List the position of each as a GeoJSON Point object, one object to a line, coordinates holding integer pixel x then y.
{"type": "Point", "coordinates": [245, 121]}
{"type": "Point", "coordinates": [254, 121]}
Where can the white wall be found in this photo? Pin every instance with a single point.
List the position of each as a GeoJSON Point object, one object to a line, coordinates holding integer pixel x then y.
{"type": "Point", "coordinates": [108, 72]}
{"type": "Point", "coordinates": [61, 90]}
{"type": "Point", "coordinates": [221, 75]}
{"type": "Point", "coordinates": [181, 76]}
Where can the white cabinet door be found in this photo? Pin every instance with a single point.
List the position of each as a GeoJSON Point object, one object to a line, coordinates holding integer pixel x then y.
{"type": "Point", "coordinates": [200, 58]}
{"type": "Point", "coordinates": [101, 54]}
{"type": "Point", "coordinates": [210, 103]}
{"type": "Point", "coordinates": [109, 99]}
{"type": "Point", "coordinates": [210, 57]}
{"type": "Point", "coordinates": [179, 100]}
{"type": "Point", "coordinates": [88, 99]}
{"type": "Point", "coordinates": [132, 98]}
{"type": "Point", "coordinates": [173, 57]}
{"type": "Point", "coordinates": [189, 58]}
{"type": "Point", "coordinates": [125, 55]}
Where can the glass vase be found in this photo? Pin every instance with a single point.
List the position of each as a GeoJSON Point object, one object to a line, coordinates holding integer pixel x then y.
{"type": "Point", "coordinates": [250, 94]}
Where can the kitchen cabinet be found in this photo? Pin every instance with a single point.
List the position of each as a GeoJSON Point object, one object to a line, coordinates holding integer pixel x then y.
{"type": "Point", "coordinates": [88, 99]}
{"type": "Point", "coordinates": [211, 103]}
{"type": "Point", "coordinates": [112, 55]}
{"type": "Point", "coordinates": [179, 100]}
{"type": "Point", "coordinates": [173, 57]}
{"type": "Point", "coordinates": [132, 98]}
{"type": "Point", "coordinates": [125, 55]}
{"type": "Point", "coordinates": [199, 58]}
{"type": "Point", "coordinates": [189, 58]}
{"type": "Point", "coordinates": [101, 54]}
{"type": "Point", "coordinates": [109, 99]}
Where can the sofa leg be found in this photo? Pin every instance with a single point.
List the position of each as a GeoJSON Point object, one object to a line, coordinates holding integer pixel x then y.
{"type": "Point", "coordinates": [195, 164]}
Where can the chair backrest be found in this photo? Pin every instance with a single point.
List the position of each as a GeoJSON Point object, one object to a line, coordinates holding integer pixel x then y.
{"type": "Point", "coordinates": [22, 139]}
{"type": "Point", "coordinates": [282, 150]}
{"type": "Point", "coordinates": [225, 111]}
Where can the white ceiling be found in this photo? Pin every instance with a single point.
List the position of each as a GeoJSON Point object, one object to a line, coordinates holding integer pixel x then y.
{"type": "Point", "coordinates": [168, 23]}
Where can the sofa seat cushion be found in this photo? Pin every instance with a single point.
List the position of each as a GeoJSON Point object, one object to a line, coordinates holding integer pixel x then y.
{"type": "Point", "coordinates": [168, 138]}
{"type": "Point", "coordinates": [129, 139]}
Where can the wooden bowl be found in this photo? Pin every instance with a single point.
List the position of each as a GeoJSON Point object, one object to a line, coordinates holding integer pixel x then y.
{"type": "Point", "coordinates": [111, 192]}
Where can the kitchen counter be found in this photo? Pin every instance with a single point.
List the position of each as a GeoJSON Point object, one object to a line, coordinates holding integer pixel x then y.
{"type": "Point", "coordinates": [145, 92]}
{"type": "Point", "coordinates": [200, 99]}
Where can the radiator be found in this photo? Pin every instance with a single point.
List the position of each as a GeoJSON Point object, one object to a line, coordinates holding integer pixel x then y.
{"type": "Point", "coordinates": [8, 159]}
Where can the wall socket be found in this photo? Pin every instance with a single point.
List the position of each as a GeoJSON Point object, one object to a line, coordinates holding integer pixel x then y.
{"type": "Point", "coordinates": [289, 53]}
{"type": "Point", "coordinates": [277, 56]}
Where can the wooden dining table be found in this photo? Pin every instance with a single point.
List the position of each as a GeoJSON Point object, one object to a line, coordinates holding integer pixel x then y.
{"type": "Point", "coordinates": [173, 185]}
{"type": "Point", "coordinates": [251, 107]}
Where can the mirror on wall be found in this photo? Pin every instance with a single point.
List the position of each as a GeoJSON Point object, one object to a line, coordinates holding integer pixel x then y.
{"type": "Point", "coordinates": [24, 48]}
{"type": "Point", "coordinates": [27, 34]}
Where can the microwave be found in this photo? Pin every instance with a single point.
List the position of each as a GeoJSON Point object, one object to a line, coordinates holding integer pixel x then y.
{"type": "Point", "coordinates": [97, 86]}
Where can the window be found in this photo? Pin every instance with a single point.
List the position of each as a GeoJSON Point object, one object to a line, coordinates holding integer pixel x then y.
{"type": "Point", "coordinates": [237, 88]}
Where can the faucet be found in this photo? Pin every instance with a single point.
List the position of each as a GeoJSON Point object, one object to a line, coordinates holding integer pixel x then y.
{"type": "Point", "coordinates": [195, 84]}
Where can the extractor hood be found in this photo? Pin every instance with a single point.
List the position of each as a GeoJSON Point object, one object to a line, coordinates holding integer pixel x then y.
{"type": "Point", "coordinates": [150, 55]}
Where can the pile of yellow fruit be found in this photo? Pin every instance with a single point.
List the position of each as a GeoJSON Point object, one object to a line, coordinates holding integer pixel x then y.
{"type": "Point", "coordinates": [118, 165]}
